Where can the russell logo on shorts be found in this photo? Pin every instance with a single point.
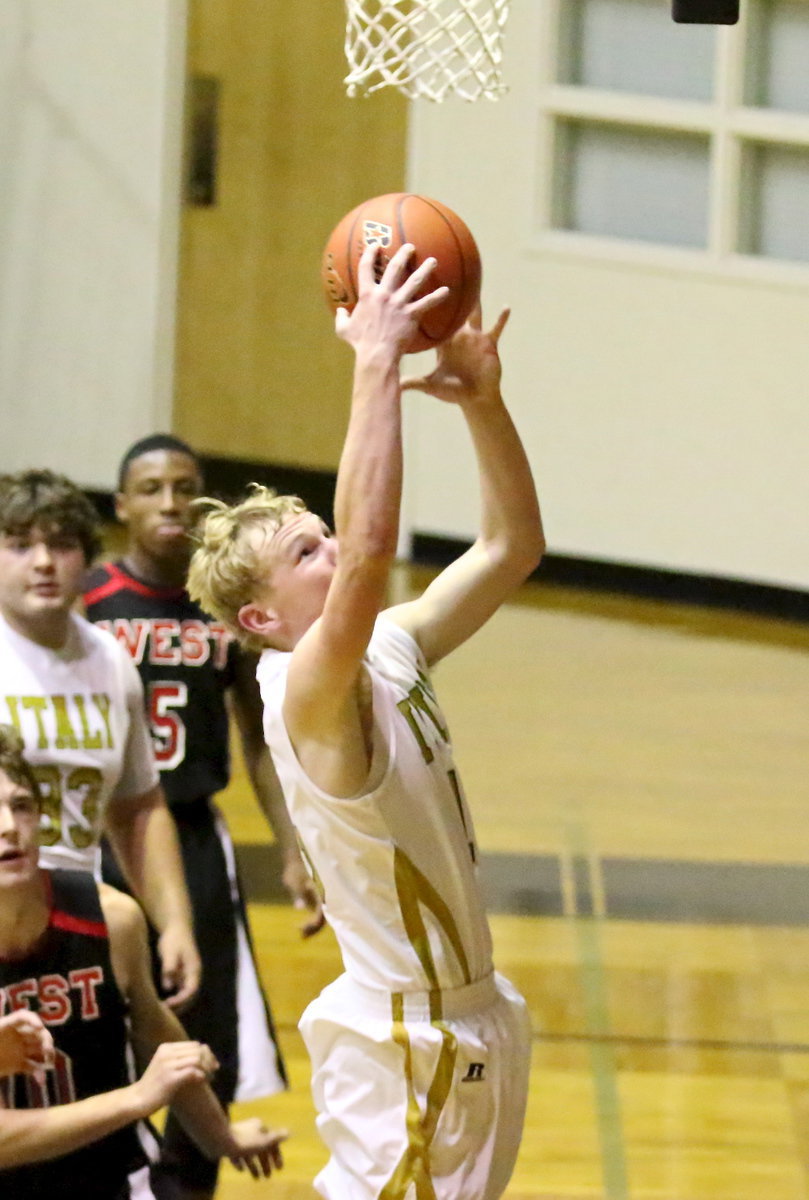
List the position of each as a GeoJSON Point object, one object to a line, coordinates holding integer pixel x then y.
{"type": "Point", "coordinates": [475, 1073]}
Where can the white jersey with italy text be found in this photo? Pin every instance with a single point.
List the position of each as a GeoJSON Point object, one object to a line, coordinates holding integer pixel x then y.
{"type": "Point", "coordinates": [79, 710]}
{"type": "Point", "coordinates": [396, 864]}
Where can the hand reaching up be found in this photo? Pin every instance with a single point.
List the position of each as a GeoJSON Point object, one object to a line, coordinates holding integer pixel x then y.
{"type": "Point", "coordinates": [467, 366]}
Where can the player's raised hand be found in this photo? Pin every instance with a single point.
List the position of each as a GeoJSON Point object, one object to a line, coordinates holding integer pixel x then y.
{"type": "Point", "coordinates": [256, 1147]}
{"type": "Point", "coordinates": [26, 1046]}
{"type": "Point", "coordinates": [467, 366]}
{"type": "Point", "coordinates": [387, 311]}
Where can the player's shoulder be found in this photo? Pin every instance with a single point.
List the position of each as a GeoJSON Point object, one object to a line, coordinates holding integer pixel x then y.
{"type": "Point", "coordinates": [122, 914]}
{"type": "Point", "coordinates": [94, 637]}
{"type": "Point", "coordinates": [101, 646]}
{"type": "Point", "coordinates": [98, 575]}
{"type": "Point", "coordinates": [102, 582]}
{"type": "Point", "coordinates": [392, 638]}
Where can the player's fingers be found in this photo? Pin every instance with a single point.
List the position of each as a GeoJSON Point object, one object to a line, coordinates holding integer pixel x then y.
{"type": "Point", "coordinates": [341, 319]}
{"type": "Point", "coordinates": [415, 382]}
{"type": "Point", "coordinates": [431, 300]}
{"type": "Point", "coordinates": [392, 277]}
{"type": "Point", "coordinates": [313, 925]}
{"type": "Point", "coordinates": [475, 318]}
{"type": "Point", "coordinates": [500, 325]}
{"type": "Point", "coordinates": [417, 279]}
{"type": "Point", "coordinates": [365, 267]}
{"type": "Point", "coordinates": [181, 998]}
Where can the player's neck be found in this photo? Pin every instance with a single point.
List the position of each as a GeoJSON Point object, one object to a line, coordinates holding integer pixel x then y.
{"type": "Point", "coordinates": [161, 572]}
{"type": "Point", "coordinates": [49, 630]}
{"type": "Point", "coordinates": [24, 913]}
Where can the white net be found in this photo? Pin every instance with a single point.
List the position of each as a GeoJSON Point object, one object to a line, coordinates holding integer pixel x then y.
{"type": "Point", "coordinates": [426, 48]}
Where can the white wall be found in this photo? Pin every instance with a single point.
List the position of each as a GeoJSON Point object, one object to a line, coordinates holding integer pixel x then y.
{"type": "Point", "coordinates": [665, 407]}
{"type": "Point", "coordinates": [90, 150]}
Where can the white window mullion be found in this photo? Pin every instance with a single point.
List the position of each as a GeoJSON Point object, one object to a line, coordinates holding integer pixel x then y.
{"type": "Point", "coordinates": [726, 152]}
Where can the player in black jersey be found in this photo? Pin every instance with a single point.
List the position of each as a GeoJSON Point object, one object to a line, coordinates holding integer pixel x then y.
{"type": "Point", "coordinates": [74, 953]}
{"type": "Point", "coordinates": [191, 667]}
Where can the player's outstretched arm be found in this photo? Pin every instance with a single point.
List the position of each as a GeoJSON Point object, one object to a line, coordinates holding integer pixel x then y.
{"type": "Point", "coordinates": [153, 1024]}
{"type": "Point", "coordinates": [248, 710]}
{"type": "Point", "coordinates": [144, 837]}
{"type": "Point", "coordinates": [511, 540]}
{"type": "Point", "coordinates": [320, 704]}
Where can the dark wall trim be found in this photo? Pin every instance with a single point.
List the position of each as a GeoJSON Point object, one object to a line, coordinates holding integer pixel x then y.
{"type": "Point", "coordinates": [710, 591]}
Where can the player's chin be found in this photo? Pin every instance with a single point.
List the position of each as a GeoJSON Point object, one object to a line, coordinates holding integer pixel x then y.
{"type": "Point", "coordinates": [165, 543]}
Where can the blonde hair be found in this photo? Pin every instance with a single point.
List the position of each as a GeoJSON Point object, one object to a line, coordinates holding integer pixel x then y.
{"type": "Point", "coordinates": [225, 569]}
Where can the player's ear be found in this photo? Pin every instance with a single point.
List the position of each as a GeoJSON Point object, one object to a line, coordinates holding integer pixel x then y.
{"type": "Point", "coordinates": [121, 510]}
{"type": "Point", "coordinates": [261, 621]}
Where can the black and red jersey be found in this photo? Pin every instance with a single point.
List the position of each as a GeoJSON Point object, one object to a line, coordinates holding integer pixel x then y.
{"type": "Point", "coordinates": [186, 660]}
{"type": "Point", "coordinates": [68, 980]}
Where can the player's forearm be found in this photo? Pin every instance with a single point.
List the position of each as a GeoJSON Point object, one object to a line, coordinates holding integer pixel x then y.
{"type": "Point", "coordinates": [511, 522]}
{"type": "Point", "coordinates": [144, 838]}
{"type": "Point", "coordinates": [369, 479]}
{"type": "Point", "coordinates": [271, 799]}
{"type": "Point", "coordinates": [35, 1135]}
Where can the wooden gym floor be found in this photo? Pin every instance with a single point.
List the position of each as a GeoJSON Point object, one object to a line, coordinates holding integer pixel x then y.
{"type": "Point", "coordinates": [638, 773]}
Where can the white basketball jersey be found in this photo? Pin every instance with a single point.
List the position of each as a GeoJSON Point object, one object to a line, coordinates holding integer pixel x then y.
{"type": "Point", "coordinates": [80, 712]}
{"type": "Point", "coordinates": [396, 864]}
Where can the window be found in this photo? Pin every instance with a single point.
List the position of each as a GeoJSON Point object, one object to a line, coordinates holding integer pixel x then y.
{"type": "Point", "coordinates": [687, 136]}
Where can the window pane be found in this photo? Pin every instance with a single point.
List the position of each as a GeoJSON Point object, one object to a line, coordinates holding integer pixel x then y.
{"type": "Point", "coordinates": [628, 183]}
{"type": "Point", "coordinates": [775, 214]}
{"type": "Point", "coordinates": [633, 46]}
{"type": "Point", "coordinates": [778, 55]}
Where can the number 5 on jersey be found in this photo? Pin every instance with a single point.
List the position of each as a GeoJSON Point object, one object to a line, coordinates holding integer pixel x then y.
{"type": "Point", "coordinates": [167, 725]}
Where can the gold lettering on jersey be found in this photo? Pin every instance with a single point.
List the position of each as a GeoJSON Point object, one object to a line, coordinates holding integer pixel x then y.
{"type": "Point", "coordinates": [14, 713]}
{"type": "Point", "coordinates": [63, 722]}
{"type": "Point", "coordinates": [457, 791]}
{"type": "Point", "coordinates": [89, 741]}
{"type": "Point", "coordinates": [65, 737]}
{"type": "Point", "coordinates": [421, 701]}
{"type": "Point", "coordinates": [103, 704]}
{"type": "Point", "coordinates": [37, 705]}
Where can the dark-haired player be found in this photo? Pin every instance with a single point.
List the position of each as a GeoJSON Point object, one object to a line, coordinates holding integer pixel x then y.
{"type": "Point", "coordinates": [191, 667]}
{"type": "Point", "coordinates": [74, 697]}
{"type": "Point", "coordinates": [73, 956]}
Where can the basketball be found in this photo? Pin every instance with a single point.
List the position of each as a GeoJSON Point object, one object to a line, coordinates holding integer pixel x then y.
{"type": "Point", "coordinates": [436, 232]}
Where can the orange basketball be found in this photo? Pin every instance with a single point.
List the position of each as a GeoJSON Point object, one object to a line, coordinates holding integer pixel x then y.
{"type": "Point", "coordinates": [435, 231]}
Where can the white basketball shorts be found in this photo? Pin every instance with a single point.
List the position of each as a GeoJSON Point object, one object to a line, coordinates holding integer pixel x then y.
{"type": "Point", "coordinates": [418, 1094]}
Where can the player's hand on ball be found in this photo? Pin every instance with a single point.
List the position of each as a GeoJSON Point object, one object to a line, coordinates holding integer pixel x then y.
{"type": "Point", "coordinates": [386, 313]}
{"type": "Point", "coordinates": [467, 366]}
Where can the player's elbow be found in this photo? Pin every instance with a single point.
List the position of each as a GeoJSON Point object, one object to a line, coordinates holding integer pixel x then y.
{"type": "Point", "coordinates": [520, 557]}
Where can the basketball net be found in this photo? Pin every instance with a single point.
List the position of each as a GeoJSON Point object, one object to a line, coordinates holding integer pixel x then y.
{"type": "Point", "coordinates": [426, 48]}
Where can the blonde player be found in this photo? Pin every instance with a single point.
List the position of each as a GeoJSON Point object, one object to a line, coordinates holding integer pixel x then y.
{"type": "Point", "coordinates": [419, 1051]}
